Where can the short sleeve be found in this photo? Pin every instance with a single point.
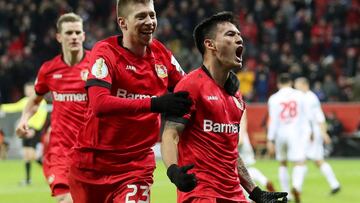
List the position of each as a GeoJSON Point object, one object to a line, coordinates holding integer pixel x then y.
{"type": "Point", "coordinates": [187, 86]}
{"type": "Point", "coordinates": [100, 66]}
{"type": "Point", "coordinates": [41, 85]}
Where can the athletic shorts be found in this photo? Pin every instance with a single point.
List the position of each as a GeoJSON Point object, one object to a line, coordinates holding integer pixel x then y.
{"type": "Point", "coordinates": [31, 142]}
{"type": "Point", "coordinates": [210, 200]}
{"type": "Point", "coordinates": [315, 149]}
{"type": "Point", "coordinates": [56, 171]}
{"type": "Point", "coordinates": [124, 191]}
{"type": "Point", "coordinates": [291, 148]}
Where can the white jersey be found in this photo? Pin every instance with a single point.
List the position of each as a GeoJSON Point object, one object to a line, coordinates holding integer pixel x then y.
{"type": "Point", "coordinates": [313, 107]}
{"type": "Point", "coordinates": [287, 113]}
{"type": "Point", "coordinates": [288, 119]}
{"type": "Point", "coordinates": [315, 149]}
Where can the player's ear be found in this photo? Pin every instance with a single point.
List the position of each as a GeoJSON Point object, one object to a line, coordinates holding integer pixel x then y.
{"type": "Point", "coordinates": [209, 44]}
{"type": "Point", "coordinates": [58, 37]}
{"type": "Point", "coordinates": [122, 23]}
{"type": "Point", "coordinates": [83, 36]}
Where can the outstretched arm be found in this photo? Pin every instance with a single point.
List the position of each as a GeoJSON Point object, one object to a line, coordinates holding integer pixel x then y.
{"type": "Point", "coordinates": [103, 103]}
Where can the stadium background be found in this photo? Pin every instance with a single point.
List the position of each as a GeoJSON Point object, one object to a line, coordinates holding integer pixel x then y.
{"type": "Point", "coordinates": [318, 39]}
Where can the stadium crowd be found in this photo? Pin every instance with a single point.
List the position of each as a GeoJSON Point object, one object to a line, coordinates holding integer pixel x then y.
{"type": "Point", "coordinates": [316, 39]}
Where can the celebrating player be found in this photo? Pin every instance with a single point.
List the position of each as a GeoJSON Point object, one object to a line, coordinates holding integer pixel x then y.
{"type": "Point", "coordinates": [64, 76]}
{"type": "Point", "coordinates": [200, 148]}
{"type": "Point", "coordinates": [129, 77]}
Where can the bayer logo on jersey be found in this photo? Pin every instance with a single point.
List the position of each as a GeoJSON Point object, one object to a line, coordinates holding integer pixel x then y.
{"type": "Point", "coordinates": [161, 70]}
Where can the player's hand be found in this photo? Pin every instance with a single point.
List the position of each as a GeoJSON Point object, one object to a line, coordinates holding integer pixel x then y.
{"type": "Point", "coordinates": [22, 129]}
{"type": "Point", "coordinates": [327, 139]}
{"type": "Point", "coordinates": [312, 137]}
{"type": "Point", "coordinates": [184, 182]}
{"type": "Point", "coordinates": [173, 104]}
{"type": "Point", "coordinates": [270, 148]}
{"type": "Point", "coordinates": [260, 196]}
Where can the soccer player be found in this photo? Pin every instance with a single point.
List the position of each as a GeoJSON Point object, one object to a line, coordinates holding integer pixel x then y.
{"type": "Point", "coordinates": [64, 76]}
{"type": "Point", "coordinates": [319, 136]}
{"type": "Point", "coordinates": [129, 77]}
{"type": "Point", "coordinates": [287, 119]}
{"type": "Point", "coordinates": [200, 148]}
{"type": "Point", "coordinates": [32, 140]}
{"type": "Point", "coordinates": [247, 154]}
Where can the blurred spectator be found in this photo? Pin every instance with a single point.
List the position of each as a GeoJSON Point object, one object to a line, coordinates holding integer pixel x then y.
{"type": "Point", "coordinates": [246, 78]}
{"type": "Point", "coordinates": [356, 88]}
{"type": "Point", "coordinates": [291, 33]}
{"type": "Point", "coordinates": [334, 126]}
{"type": "Point", "coordinates": [262, 82]}
{"type": "Point", "coordinates": [330, 88]}
{"type": "Point", "coordinates": [319, 92]}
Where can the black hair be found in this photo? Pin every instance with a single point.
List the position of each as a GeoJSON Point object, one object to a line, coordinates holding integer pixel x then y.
{"type": "Point", "coordinates": [205, 29]}
{"type": "Point", "coordinates": [284, 78]}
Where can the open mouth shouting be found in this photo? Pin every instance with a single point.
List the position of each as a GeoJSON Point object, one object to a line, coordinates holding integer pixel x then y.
{"type": "Point", "coordinates": [238, 54]}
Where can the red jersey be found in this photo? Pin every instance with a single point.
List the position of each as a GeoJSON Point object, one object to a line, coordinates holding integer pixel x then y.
{"type": "Point", "coordinates": [122, 142]}
{"type": "Point", "coordinates": [67, 85]}
{"type": "Point", "coordinates": [210, 138]}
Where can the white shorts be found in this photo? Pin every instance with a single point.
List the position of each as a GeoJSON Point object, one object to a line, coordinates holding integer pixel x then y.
{"type": "Point", "coordinates": [290, 148]}
{"type": "Point", "coordinates": [315, 149]}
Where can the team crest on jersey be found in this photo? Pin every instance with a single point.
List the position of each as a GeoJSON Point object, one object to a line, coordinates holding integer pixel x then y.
{"type": "Point", "coordinates": [161, 70]}
{"type": "Point", "coordinates": [238, 103]}
{"type": "Point", "coordinates": [84, 74]}
{"type": "Point", "coordinates": [99, 69]}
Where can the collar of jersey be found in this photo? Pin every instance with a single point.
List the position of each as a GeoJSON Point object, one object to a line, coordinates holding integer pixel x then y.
{"type": "Point", "coordinates": [85, 52]}
{"type": "Point", "coordinates": [149, 53]}
{"type": "Point", "coordinates": [231, 84]}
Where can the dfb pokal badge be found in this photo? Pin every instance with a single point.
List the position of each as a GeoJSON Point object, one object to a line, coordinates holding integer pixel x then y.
{"type": "Point", "coordinates": [99, 69]}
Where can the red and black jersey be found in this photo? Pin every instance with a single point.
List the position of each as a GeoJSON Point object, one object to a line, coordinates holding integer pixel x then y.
{"type": "Point", "coordinates": [67, 86]}
{"type": "Point", "coordinates": [210, 138]}
{"type": "Point", "coordinates": [117, 142]}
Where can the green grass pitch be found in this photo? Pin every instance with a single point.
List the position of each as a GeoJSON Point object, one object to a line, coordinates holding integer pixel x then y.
{"type": "Point", "coordinates": [315, 188]}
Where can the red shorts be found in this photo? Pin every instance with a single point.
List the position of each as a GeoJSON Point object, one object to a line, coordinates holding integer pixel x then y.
{"type": "Point", "coordinates": [112, 192]}
{"type": "Point", "coordinates": [209, 200]}
{"type": "Point", "coordinates": [56, 171]}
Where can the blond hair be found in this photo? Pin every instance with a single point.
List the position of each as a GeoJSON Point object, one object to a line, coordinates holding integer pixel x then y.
{"type": "Point", "coordinates": [67, 17]}
{"type": "Point", "coordinates": [122, 4]}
